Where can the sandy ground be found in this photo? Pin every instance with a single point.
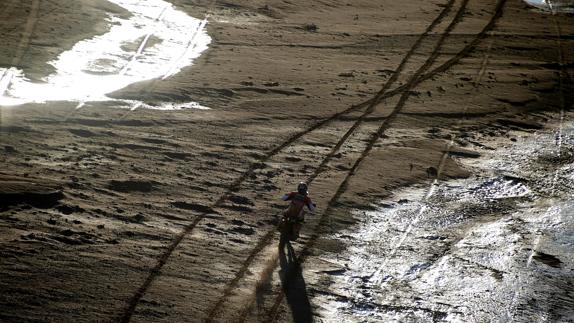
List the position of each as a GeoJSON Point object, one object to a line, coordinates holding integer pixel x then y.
{"type": "Point", "coordinates": [146, 215]}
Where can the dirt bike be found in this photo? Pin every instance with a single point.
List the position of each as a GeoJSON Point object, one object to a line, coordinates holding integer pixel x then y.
{"type": "Point", "coordinates": [288, 229]}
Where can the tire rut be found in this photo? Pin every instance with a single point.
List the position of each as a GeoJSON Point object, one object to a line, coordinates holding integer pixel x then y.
{"type": "Point", "coordinates": [272, 314]}
{"type": "Point", "coordinates": [267, 238]}
{"type": "Point", "coordinates": [235, 185]}
{"type": "Point", "coordinates": [382, 94]}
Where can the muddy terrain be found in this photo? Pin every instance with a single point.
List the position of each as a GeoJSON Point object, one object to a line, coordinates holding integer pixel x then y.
{"type": "Point", "coordinates": [436, 137]}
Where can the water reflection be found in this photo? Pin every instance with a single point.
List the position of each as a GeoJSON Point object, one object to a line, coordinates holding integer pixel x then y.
{"type": "Point", "coordinates": [553, 5]}
{"type": "Point", "coordinates": [478, 249]}
{"type": "Point", "coordinates": [104, 64]}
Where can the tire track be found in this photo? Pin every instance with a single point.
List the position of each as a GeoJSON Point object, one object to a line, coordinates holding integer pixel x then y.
{"type": "Point", "coordinates": [375, 277]}
{"type": "Point", "coordinates": [8, 75]}
{"type": "Point", "coordinates": [170, 67]}
{"type": "Point", "coordinates": [133, 58]}
{"type": "Point", "coordinates": [171, 70]}
{"type": "Point", "coordinates": [235, 185]}
{"type": "Point", "coordinates": [272, 314]}
{"type": "Point", "coordinates": [404, 97]}
{"type": "Point", "coordinates": [268, 237]}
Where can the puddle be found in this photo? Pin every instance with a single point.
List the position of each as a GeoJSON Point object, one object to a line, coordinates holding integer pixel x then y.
{"type": "Point", "coordinates": [553, 6]}
{"type": "Point", "coordinates": [165, 39]}
{"type": "Point", "coordinates": [477, 249]}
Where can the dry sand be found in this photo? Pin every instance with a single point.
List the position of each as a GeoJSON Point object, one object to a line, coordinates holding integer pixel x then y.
{"type": "Point", "coordinates": [162, 212]}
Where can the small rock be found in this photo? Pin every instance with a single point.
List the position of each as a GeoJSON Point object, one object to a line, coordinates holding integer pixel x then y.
{"type": "Point", "coordinates": [347, 74]}
{"type": "Point", "coordinates": [67, 209]}
{"type": "Point", "coordinates": [310, 27]}
{"type": "Point", "coordinates": [67, 232]}
{"type": "Point", "coordinates": [237, 222]}
{"type": "Point", "coordinates": [139, 218]}
{"type": "Point", "coordinates": [292, 159]}
{"type": "Point", "coordinates": [240, 200]}
{"type": "Point", "coordinates": [244, 231]}
{"type": "Point", "coordinates": [131, 186]}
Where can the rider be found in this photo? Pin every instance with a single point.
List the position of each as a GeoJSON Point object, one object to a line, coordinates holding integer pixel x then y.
{"type": "Point", "coordinates": [299, 200]}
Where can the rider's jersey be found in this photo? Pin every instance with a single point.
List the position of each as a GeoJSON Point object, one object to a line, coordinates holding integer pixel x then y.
{"type": "Point", "coordinates": [298, 203]}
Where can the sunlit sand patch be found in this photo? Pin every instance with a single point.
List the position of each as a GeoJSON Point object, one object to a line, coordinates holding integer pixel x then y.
{"type": "Point", "coordinates": [103, 64]}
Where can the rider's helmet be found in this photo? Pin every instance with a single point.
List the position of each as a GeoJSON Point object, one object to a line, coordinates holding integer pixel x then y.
{"type": "Point", "coordinates": [302, 188]}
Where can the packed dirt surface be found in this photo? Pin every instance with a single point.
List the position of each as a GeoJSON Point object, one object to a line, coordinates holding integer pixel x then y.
{"type": "Point", "coordinates": [435, 136]}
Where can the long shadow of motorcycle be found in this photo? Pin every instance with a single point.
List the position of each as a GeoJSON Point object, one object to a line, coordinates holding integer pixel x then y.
{"type": "Point", "coordinates": [293, 284]}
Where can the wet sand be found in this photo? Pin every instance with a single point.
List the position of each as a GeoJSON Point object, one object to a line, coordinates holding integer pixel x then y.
{"type": "Point", "coordinates": [171, 215]}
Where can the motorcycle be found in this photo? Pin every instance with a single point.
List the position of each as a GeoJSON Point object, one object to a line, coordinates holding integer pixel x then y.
{"type": "Point", "coordinates": [288, 228]}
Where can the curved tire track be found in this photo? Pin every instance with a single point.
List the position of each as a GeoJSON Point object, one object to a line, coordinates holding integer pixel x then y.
{"type": "Point", "coordinates": [381, 95]}
{"type": "Point", "coordinates": [415, 79]}
{"type": "Point", "coordinates": [268, 237]}
{"type": "Point", "coordinates": [234, 186]}
{"type": "Point", "coordinates": [271, 316]}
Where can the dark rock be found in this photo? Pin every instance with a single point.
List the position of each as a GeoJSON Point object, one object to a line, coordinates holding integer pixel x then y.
{"type": "Point", "coordinates": [67, 209]}
{"type": "Point", "coordinates": [240, 200]}
{"type": "Point", "coordinates": [131, 186]}
{"type": "Point", "coordinates": [311, 27]}
{"type": "Point", "coordinates": [237, 222]}
{"type": "Point", "coordinates": [139, 218]}
{"type": "Point", "coordinates": [243, 230]}
{"type": "Point", "coordinates": [292, 159]}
